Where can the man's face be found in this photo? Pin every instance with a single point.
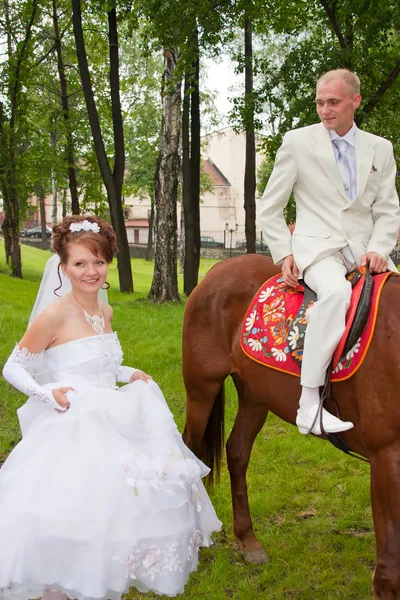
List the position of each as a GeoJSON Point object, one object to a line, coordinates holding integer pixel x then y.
{"type": "Point", "coordinates": [336, 105]}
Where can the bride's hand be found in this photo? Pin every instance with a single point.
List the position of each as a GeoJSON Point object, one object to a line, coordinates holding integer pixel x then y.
{"type": "Point", "coordinates": [60, 396]}
{"type": "Point", "coordinates": [140, 376]}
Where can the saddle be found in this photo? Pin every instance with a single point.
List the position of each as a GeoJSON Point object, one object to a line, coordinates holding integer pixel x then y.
{"type": "Point", "coordinates": [274, 325]}
{"type": "Point", "coordinates": [363, 284]}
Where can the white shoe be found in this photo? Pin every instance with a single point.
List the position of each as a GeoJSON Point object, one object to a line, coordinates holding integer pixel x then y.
{"type": "Point", "coordinates": [331, 423]}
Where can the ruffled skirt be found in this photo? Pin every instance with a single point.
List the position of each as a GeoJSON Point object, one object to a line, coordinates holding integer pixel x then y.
{"type": "Point", "coordinates": [101, 498]}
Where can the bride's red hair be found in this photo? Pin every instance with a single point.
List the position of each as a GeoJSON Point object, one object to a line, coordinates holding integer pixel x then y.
{"type": "Point", "coordinates": [101, 244]}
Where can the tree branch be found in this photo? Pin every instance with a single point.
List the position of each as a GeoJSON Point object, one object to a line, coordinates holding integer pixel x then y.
{"type": "Point", "coordinates": [119, 144]}
{"type": "Point", "coordinates": [43, 58]}
{"type": "Point", "coordinates": [330, 11]}
{"type": "Point", "coordinates": [373, 101]}
{"type": "Point", "coordinates": [44, 86]}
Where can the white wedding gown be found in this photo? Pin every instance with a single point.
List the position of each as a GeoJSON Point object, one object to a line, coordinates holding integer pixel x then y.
{"type": "Point", "coordinates": [104, 496]}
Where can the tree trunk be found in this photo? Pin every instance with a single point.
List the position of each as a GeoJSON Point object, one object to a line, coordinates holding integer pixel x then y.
{"type": "Point", "coordinates": [186, 214]}
{"type": "Point", "coordinates": [149, 251]}
{"type": "Point", "coordinates": [182, 237]}
{"type": "Point", "coordinates": [112, 180]}
{"type": "Point", "coordinates": [69, 149]}
{"type": "Point", "coordinates": [116, 208]}
{"type": "Point", "coordinates": [64, 203]}
{"type": "Point", "coordinates": [192, 209]}
{"type": "Point", "coordinates": [9, 141]}
{"type": "Point", "coordinates": [250, 166]}
{"type": "Point", "coordinates": [54, 184]}
{"type": "Point", "coordinates": [42, 208]}
{"type": "Point", "coordinates": [6, 227]}
{"type": "Point", "coordinates": [54, 200]}
{"type": "Point", "coordinates": [69, 146]}
{"type": "Point", "coordinates": [165, 278]}
{"type": "Point", "coordinates": [16, 263]}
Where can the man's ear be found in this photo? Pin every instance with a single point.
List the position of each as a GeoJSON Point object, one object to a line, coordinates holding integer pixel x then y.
{"type": "Point", "coordinates": [357, 101]}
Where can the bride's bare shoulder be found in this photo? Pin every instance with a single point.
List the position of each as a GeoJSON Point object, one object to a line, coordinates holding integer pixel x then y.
{"type": "Point", "coordinates": [46, 327]}
{"type": "Point", "coordinates": [56, 312]}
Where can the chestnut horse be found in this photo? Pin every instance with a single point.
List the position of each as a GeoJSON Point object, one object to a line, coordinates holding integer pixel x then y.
{"type": "Point", "coordinates": [212, 351]}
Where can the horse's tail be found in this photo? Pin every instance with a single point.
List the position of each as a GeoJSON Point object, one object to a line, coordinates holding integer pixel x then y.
{"type": "Point", "coordinates": [213, 440]}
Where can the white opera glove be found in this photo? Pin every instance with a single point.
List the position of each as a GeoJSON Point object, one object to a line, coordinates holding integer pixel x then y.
{"type": "Point", "coordinates": [124, 374]}
{"type": "Point", "coordinates": [16, 372]}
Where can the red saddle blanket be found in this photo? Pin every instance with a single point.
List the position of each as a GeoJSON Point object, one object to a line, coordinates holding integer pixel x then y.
{"type": "Point", "coordinates": [267, 336]}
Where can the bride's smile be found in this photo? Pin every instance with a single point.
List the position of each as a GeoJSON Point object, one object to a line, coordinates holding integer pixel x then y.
{"type": "Point", "coordinates": [86, 271]}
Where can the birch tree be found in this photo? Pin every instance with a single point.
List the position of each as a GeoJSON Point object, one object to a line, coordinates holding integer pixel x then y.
{"type": "Point", "coordinates": [165, 279]}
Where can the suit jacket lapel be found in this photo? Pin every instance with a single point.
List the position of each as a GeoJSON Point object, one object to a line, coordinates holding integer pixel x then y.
{"type": "Point", "coordinates": [364, 159]}
{"type": "Point", "coordinates": [324, 152]}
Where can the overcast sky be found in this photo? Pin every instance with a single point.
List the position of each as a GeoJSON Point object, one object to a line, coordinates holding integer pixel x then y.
{"type": "Point", "coordinates": [220, 77]}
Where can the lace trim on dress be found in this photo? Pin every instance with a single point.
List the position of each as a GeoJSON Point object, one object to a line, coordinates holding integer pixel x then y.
{"type": "Point", "coordinates": [157, 561]}
{"type": "Point", "coordinates": [45, 396]}
{"type": "Point", "coordinates": [22, 356]}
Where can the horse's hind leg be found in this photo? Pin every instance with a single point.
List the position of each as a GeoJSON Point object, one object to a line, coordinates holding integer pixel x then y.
{"type": "Point", "coordinates": [385, 493]}
{"type": "Point", "coordinates": [249, 420]}
{"type": "Point", "coordinates": [201, 396]}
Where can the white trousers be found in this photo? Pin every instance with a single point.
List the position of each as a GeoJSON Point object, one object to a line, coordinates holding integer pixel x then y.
{"type": "Point", "coordinates": [326, 319]}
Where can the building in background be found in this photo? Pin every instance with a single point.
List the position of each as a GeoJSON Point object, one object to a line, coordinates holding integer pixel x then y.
{"type": "Point", "coordinates": [224, 153]}
{"type": "Point", "coordinates": [221, 209]}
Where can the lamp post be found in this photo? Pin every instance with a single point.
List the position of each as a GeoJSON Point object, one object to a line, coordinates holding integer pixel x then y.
{"type": "Point", "coordinates": [231, 232]}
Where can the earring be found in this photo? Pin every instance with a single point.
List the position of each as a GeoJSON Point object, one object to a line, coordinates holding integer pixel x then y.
{"type": "Point", "coordinates": [105, 286]}
{"type": "Point", "coordinates": [66, 276]}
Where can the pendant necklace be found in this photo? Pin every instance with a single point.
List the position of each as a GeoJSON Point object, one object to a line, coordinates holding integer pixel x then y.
{"type": "Point", "coordinates": [96, 322]}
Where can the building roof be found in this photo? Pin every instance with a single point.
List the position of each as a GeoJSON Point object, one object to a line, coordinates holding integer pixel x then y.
{"type": "Point", "coordinates": [216, 176]}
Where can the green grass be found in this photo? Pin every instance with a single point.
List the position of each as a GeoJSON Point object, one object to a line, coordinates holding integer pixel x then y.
{"type": "Point", "coordinates": [310, 504]}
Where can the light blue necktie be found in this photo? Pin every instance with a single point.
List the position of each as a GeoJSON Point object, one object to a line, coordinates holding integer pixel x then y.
{"type": "Point", "coordinates": [343, 163]}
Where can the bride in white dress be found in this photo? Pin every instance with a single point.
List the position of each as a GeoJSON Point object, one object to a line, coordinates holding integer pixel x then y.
{"type": "Point", "coordinates": [101, 494]}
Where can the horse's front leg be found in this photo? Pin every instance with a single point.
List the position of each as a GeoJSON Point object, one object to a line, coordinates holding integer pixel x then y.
{"type": "Point", "coordinates": [385, 494]}
{"type": "Point", "coordinates": [249, 420]}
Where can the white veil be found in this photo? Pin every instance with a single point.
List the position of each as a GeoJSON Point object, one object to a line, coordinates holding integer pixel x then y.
{"type": "Point", "coordinates": [50, 289]}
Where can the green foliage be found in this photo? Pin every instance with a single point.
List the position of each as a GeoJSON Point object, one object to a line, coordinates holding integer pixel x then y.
{"type": "Point", "coordinates": [19, 36]}
{"type": "Point", "coordinates": [41, 113]}
{"type": "Point", "coordinates": [142, 111]}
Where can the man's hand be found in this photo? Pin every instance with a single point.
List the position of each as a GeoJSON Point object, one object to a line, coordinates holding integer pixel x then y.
{"type": "Point", "coordinates": [376, 263]}
{"type": "Point", "coordinates": [140, 376]}
{"type": "Point", "coordinates": [290, 271]}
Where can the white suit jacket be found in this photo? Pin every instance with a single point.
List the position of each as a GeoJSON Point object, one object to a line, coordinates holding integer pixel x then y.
{"type": "Point", "coordinates": [325, 220]}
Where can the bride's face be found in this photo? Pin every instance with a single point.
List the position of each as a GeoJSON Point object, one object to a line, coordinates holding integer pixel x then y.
{"type": "Point", "coordinates": [86, 271]}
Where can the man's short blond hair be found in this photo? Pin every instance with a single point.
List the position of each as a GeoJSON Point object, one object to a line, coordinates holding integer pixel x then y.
{"type": "Point", "coordinates": [350, 79]}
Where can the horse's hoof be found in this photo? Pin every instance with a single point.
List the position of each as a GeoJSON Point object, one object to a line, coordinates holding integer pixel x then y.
{"type": "Point", "coordinates": [255, 557]}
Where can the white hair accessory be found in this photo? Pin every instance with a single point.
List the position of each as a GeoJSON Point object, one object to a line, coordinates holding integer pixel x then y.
{"type": "Point", "coordinates": [84, 226]}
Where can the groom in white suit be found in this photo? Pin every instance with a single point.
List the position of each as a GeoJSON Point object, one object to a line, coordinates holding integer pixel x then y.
{"type": "Point", "coordinates": [347, 214]}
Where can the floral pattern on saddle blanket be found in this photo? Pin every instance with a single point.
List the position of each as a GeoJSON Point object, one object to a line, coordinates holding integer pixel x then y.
{"type": "Point", "coordinates": [270, 333]}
